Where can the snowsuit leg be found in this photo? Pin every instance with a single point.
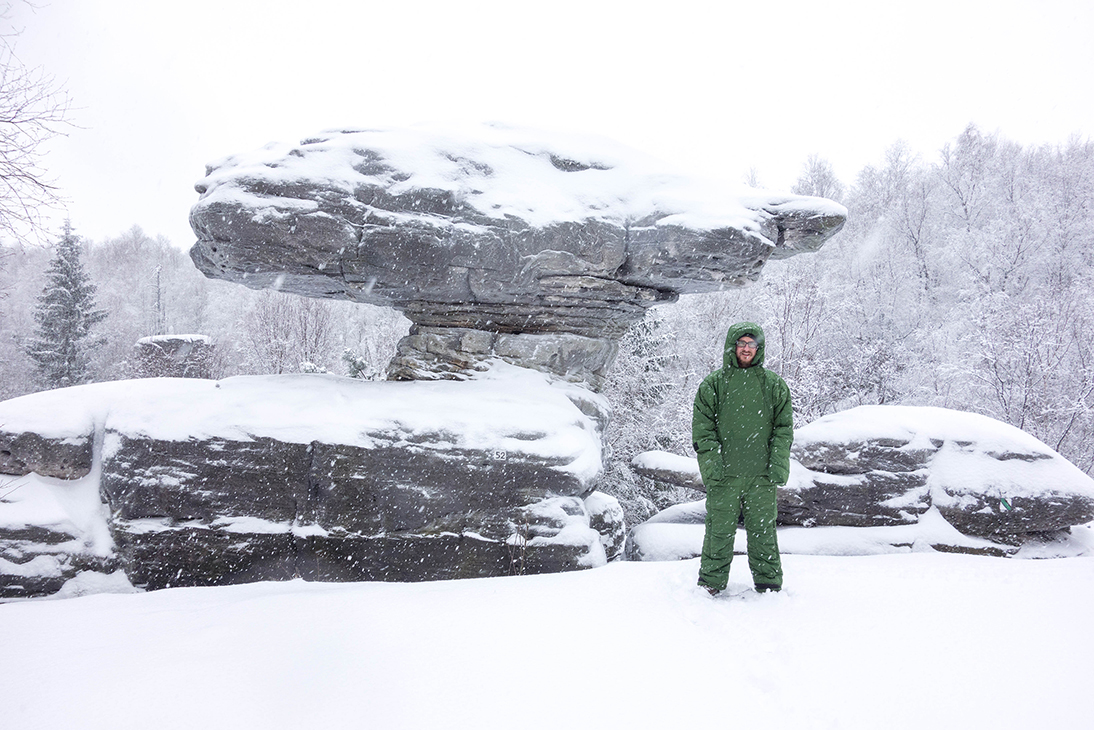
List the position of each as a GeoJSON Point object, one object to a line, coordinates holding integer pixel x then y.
{"type": "Point", "coordinates": [723, 515]}
{"type": "Point", "coordinates": [760, 511]}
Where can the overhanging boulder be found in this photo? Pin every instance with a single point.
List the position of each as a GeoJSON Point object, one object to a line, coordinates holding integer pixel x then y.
{"type": "Point", "coordinates": [490, 228]}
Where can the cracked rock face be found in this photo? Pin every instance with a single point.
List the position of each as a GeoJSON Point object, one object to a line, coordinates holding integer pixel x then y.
{"type": "Point", "coordinates": [197, 482]}
{"type": "Point", "coordinates": [66, 457]}
{"type": "Point", "coordinates": [488, 228]}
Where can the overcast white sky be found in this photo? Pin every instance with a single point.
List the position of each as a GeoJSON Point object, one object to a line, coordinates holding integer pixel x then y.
{"type": "Point", "coordinates": [717, 87]}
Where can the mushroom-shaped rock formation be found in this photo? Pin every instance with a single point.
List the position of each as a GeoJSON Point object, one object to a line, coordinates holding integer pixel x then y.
{"type": "Point", "coordinates": [496, 242]}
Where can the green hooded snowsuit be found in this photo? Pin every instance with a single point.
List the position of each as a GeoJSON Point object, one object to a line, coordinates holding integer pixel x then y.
{"type": "Point", "coordinates": [742, 427]}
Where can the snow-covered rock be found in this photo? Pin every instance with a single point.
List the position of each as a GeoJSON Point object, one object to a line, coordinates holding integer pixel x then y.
{"type": "Point", "coordinates": [196, 482]}
{"type": "Point", "coordinates": [680, 471]}
{"type": "Point", "coordinates": [490, 228]}
{"type": "Point", "coordinates": [993, 486]}
{"type": "Point", "coordinates": [51, 531]}
{"type": "Point", "coordinates": [879, 465]}
{"type": "Point", "coordinates": [174, 356]}
{"type": "Point", "coordinates": [67, 456]}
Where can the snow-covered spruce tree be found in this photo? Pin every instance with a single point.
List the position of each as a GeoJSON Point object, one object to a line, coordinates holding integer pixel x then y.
{"type": "Point", "coordinates": [65, 314]}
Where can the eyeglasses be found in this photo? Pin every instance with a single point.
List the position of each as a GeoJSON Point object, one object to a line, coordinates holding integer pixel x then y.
{"type": "Point", "coordinates": [748, 344]}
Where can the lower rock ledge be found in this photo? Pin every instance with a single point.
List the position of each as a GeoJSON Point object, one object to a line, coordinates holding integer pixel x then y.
{"type": "Point", "coordinates": [202, 556]}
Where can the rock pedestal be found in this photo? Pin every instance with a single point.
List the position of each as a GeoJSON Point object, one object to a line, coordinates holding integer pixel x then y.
{"type": "Point", "coordinates": [195, 482]}
{"type": "Point", "coordinates": [429, 353]}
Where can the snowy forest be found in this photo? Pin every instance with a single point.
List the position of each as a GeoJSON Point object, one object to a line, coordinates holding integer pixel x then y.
{"type": "Point", "coordinates": [962, 281]}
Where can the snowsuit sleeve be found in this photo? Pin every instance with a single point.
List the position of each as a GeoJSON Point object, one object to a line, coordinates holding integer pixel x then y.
{"type": "Point", "coordinates": [782, 435]}
{"type": "Point", "coordinates": [704, 432]}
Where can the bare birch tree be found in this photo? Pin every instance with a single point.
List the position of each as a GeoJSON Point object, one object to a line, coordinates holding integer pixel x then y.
{"type": "Point", "coordinates": [33, 109]}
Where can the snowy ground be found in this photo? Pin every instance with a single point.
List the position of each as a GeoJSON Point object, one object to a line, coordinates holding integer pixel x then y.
{"type": "Point", "coordinates": [919, 640]}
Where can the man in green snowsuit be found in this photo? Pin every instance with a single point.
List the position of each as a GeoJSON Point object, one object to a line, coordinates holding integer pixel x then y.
{"type": "Point", "coordinates": [742, 427]}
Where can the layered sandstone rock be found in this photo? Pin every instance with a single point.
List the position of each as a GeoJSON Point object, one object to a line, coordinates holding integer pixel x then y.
{"type": "Point", "coordinates": [891, 466]}
{"type": "Point", "coordinates": [493, 230]}
{"type": "Point", "coordinates": [196, 482]}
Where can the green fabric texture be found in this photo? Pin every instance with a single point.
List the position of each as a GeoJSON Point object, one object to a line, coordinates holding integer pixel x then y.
{"type": "Point", "coordinates": [742, 430]}
{"type": "Point", "coordinates": [757, 505]}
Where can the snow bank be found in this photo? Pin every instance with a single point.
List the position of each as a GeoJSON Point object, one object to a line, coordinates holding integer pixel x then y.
{"type": "Point", "coordinates": [917, 425]}
{"type": "Point", "coordinates": [65, 507]}
{"type": "Point", "coordinates": [904, 642]}
{"type": "Point", "coordinates": [677, 534]}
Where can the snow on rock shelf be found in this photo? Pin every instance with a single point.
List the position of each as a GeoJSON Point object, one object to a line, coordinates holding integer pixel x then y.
{"type": "Point", "coordinates": [540, 249]}
{"type": "Point", "coordinates": [197, 482]}
{"type": "Point", "coordinates": [902, 476]}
